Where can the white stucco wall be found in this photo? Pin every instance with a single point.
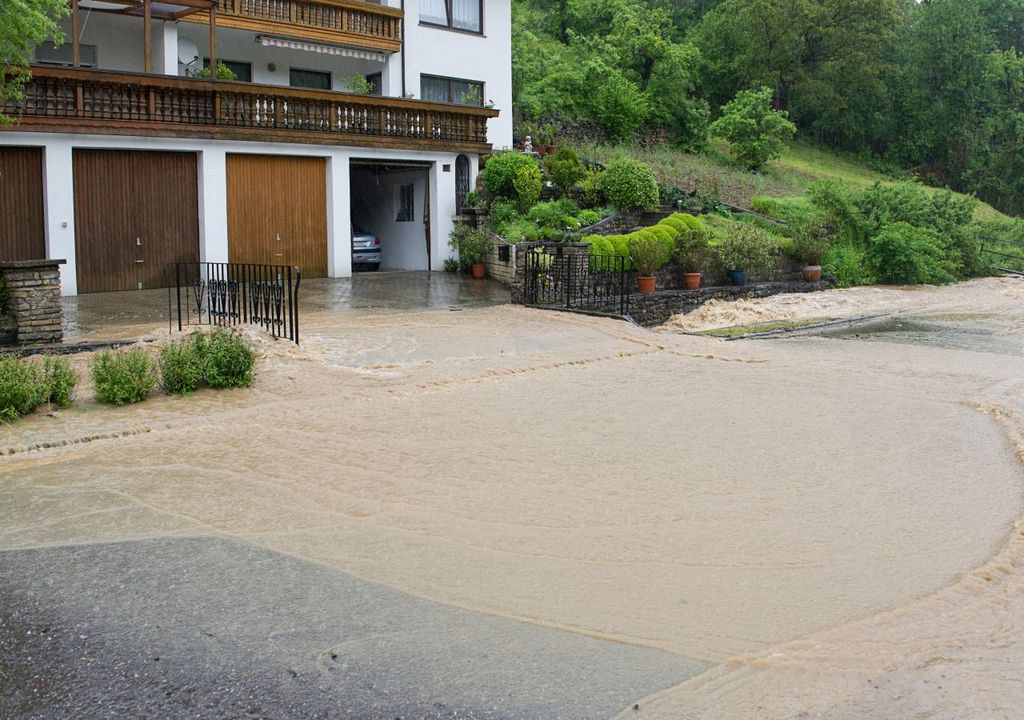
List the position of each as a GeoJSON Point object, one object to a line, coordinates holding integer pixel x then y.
{"type": "Point", "coordinates": [212, 188]}
{"type": "Point", "coordinates": [484, 58]}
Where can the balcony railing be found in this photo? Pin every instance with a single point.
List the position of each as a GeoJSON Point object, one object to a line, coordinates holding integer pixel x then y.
{"type": "Point", "coordinates": [346, 22]}
{"type": "Point", "coordinates": [91, 101]}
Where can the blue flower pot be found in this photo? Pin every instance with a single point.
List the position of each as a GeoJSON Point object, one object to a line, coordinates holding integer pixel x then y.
{"type": "Point", "coordinates": [738, 277]}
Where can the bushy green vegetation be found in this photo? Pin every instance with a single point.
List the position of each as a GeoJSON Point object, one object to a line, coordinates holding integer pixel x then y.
{"type": "Point", "coordinates": [747, 248]}
{"type": "Point", "coordinates": [756, 132]}
{"type": "Point", "coordinates": [935, 86]}
{"type": "Point", "coordinates": [500, 173]}
{"type": "Point", "coordinates": [25, 384]}
{"type": "Point", "coordinates": [230, 360]}
{"type": "Point", "coordinates": [629, 185]}
{"type": "Point", "coordinates": [183, 365]}
{"type": "Point", "coordinates": [471, 244]}
{"type": "Point", "coordinates": [122, 377]}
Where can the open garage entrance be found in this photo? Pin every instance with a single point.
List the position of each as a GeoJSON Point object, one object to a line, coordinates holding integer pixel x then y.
{"type": "Point", "coordinates": [391, 205]}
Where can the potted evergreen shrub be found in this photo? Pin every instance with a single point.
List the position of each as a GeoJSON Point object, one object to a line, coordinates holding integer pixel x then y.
{"type": "Point", "coordinates": [472, 246]}
{"type": "Point", "coordinates": [809, 245]}
{"type": "Point", "coordinates": [749, 250]}
{"type": "Point", "coordinates": [648, 255]}
{"type": "Point", "coordinates": [691, 252]}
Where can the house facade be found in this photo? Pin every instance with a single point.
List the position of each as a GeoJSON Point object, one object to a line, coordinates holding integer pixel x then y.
{"type": "Point", "coordinates": [254, 131]}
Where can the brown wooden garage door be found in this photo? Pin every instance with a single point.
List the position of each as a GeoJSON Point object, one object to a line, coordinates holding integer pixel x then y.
{"type": "Point", "coordinates": [21, 204]}
{"type": "Point", "coordinates": [136, 214]}
{"type": "Point", "coordinates": [277, 211]}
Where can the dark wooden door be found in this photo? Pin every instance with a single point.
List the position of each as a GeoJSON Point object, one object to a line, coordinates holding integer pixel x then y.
{"type": "Point", "coordinates": [136, 214]}
{"type": "Point", "coordinates": [277, 211]}
{"type": "Point", "coordinates": [22, 233]}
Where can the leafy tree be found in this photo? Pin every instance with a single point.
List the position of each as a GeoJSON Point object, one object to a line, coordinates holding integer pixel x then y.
{"type": "Point", "coordinates": [23, 25]}
{"type": "Point", "coordinates": [756, 132]}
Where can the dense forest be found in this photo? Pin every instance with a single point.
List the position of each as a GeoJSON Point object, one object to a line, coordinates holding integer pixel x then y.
{"type": "Point", "coordinates": [935, 87]}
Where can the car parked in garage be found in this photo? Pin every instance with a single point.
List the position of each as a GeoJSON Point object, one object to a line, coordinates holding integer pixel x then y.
{"type": "Point", "coordinates": [366, 251]}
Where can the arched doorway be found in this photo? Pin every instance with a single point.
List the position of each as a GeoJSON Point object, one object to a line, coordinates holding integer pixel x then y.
{"type": "Point", "coordinates": [461, 182]}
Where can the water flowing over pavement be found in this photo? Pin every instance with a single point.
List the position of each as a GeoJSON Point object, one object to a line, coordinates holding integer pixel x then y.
{"type": "Point", "coordinates": [832, 523]}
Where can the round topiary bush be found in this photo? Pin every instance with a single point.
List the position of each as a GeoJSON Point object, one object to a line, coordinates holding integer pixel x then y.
{"type": "Point", "coordinates": [499, 175]}
{"type": "Point", "coordinates": [630, 185]}
{"type": "Point", "coordinates": [565, 168]}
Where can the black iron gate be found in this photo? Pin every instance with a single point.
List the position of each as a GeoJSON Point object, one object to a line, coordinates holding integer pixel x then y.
{"type": "Point", "coordinates": [567, 276]}
{"type": "Point", "coordinates": [239, 294]}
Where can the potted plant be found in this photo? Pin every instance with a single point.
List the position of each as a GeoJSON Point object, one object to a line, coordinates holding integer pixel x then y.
{"type": "Point", "coordinates": [451, 264]}
{"type": "Point", "coordinates": [472, 246]}
{"type": "Point", "coordinates": [749, 250]}
{"type": "Point", "coordinates": [691, 252]}
{"type": "Point", "coordinates": [809, 245]}
{"type": "Point", "coordinates": [648, 254]}
{"type": "Point", "coordinates": [544, 140]}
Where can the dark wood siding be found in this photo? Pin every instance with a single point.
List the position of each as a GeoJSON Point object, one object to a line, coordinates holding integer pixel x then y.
{"type": "Point", "coordinates": [136, 214]}
{"type": "Point", "coordinates": [22, 233]}
{"type": "Point", "coordinates": [277, 211]}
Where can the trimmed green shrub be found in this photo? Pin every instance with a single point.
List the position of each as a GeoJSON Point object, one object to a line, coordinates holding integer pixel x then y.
{"type": "Point", "coordinates": [183, 365]}
{"type": "Point", "coordinates": [500, 172]}
{"type": "Point", "coordinates": [22, 387]}
{"type": "Point", "coordinates": [647, 252]}
{"type": "Point", "coordinates": [600, 245]}
{"type": "Point", "coordinates": [229, 360]}
{"type": "Point", "coordinates": [692, 245]}
{"type": "Point", "coordinates": [123, 377]}
{"type": "Point", "coordinates": [630, 185]}
{"type": "Point", "coordinates": [748, 248]}
{"type": "Point", "coordinates": [902, 254]}
{"type": "Point", "coordinates": [59, 380]}
{"type": "Point", "coordinates": [565, 169]}
{"type": "Point", "coordinates": [527, 184]}
{"type": "Point", "coordinates": [589, 217]}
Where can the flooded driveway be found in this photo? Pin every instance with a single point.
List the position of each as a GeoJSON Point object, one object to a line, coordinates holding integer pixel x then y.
{"type": "Point", "coordinates": [98, 317]}
{"type": "Point", "coordinates": [831, 526]}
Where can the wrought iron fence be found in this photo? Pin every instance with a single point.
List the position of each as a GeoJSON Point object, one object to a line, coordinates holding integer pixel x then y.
{"type": "Point", "coordinates": [567, 276]}
{"type": "Point", "coordinates": [266, 296]}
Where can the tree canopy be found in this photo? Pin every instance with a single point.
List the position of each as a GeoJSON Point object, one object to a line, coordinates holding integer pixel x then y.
{"type": "Point", "coordinates": [935, 86]}
{"type": "Point", "coordinates": [23, 25]}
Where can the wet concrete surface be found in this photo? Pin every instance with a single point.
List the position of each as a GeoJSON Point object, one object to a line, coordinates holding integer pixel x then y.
{"type": "Point", "coordinates": [215, 628]}
{"type": "Point", "coordinates": [952, 332]}
{"type": "Point", "coordinates": [96, 317]}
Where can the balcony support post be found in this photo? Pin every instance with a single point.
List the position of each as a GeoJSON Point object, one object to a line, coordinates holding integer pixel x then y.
{"type": "Point", "coordinates": [147, 30]}
{"type": "Point", "coordinates": [76, 31]}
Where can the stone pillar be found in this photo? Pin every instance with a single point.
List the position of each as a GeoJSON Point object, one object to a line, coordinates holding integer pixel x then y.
{"type": "Point", "coordinates": [32, 300]}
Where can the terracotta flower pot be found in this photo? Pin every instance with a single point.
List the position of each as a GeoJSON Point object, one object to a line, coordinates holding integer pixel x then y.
{"type": "Point", "coordinates": [479, 270]}
{"type": "Point", "coordinates": [812, 273]}
{"type": "Point", "coordinates": [691, 281]}
{"type": "Point", "coordinates": [645, 284]}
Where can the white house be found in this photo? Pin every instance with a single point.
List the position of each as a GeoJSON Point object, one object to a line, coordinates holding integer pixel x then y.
{"type": "Point", "coordinates": [127, 156]}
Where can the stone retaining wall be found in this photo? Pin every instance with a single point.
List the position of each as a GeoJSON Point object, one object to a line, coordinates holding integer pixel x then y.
{"type": "Point", "coordinates": [649, 310]}
{"type": "Point", "coordinates": [32, 306]}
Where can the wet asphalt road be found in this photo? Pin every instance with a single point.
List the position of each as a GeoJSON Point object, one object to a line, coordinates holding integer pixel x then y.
{"type": "Point", "coordinates": [213, 628]}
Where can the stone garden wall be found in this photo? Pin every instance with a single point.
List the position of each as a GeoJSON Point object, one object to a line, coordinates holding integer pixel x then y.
{"type": "Point", "coordinates": [32, 312]}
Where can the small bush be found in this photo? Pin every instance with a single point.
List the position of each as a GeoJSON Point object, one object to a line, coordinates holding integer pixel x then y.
{"type": "Point", "coordinates": [499, 175]}
{"type": "Point", "coordinates": [692, 245]}
{"type": "Point", "coordinates": [229, 360]}
{"type": "Point", "coordinates": [589, 217]}
{"type": "Point", "coordinates": [123, 377]}
{"type": "Point", "coordinates": [471, 244]}
{"type": "Point", "coordinates": [565, 169]}
{"type": "Point", "coordinates": [22, 387]}
{"type": "Point", "coordinates": [555, 218]}
{"type": "Point", "coordinates": [902, 254]}
{"type": "Point", "coordinates": [630, 185]}
{"type": "Point", "coordinates": [59, 380]}
{"type": "Point", "coordinates": [846, 264]}
{"type": "Point", "coordinates": [527, 184]}
{"type": "Point", "coordinates": [183, 365]}
{"type": "Point", "coordinates": [503, 212]}
{"type": "Point", "coordinates": [748, 248]}
{"type": "Point", "coordinates": [647, 252]}
{"type": "Point", "coordinates": [593, 192]}
{"type": "Point", "coordinates": [810, 242]}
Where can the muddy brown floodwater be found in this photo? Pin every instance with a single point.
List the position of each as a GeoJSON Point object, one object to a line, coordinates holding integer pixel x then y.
{"type": "Point", "coordinates": [835, 524]}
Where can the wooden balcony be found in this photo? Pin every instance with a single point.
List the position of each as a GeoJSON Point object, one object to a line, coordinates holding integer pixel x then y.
{"type": "Point", "coordinates": [340, 22]}
{"type": "Point", "coordinates": [116, 103]}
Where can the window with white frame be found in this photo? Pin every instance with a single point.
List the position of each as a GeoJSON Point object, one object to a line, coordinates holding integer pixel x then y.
{"type": "Point", "coordinates": [467, 15]}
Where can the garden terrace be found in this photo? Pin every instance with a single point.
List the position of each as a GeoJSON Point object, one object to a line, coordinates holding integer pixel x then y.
{"type": "Point", "coordinates": [120, 103]}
